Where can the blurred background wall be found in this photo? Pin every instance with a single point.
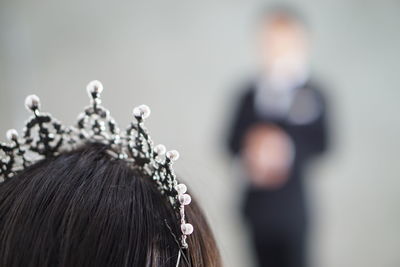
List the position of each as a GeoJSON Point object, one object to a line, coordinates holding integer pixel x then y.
{"type": "Point", "coordinates": [185, 59]}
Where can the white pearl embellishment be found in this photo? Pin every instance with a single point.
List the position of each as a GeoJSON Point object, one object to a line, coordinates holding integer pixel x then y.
{"type": "Point", "coordinates": [185, 199]}
{"type": "Point", "coordinates": [160, 149]}
{"type": "Point", "coordinates": [32, 102]}
{"type": "Point", "coordinates": [173, 155]}
{"type": "Point", "coordinates": [12, 134]}
{"type": "Point", "coordinates": [94, 87]}
{"type": "Point", "coordinates": [142, 111]}
{"type": "Point", "coordinates": [181, 188]}
{"type": "Point", "coordinates": [187, 229]}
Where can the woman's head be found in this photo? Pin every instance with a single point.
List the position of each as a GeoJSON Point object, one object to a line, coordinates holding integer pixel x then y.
{"type": "Point", "coordinates": [83, 208]}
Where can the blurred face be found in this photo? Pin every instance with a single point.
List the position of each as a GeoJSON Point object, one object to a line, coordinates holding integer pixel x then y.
{"type": "Point", "coordinates": [284, 48]}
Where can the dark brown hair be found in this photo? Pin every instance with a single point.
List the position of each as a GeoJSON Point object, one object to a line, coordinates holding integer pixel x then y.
{"type": "Point", "coordinates": [84, 209]}
{"type": "Point", "coordinates": [283, 14]}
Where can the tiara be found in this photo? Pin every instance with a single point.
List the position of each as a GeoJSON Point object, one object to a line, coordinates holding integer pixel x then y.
{"type": "Point", "coordinates": [44, 136]}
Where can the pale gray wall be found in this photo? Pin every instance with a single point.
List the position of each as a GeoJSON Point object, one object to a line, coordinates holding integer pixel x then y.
{"type": "Point", "coordinates": [185, 59]}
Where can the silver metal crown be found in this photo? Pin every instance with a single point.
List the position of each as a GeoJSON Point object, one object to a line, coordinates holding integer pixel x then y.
{"type": "Point", "coordinates": [44, 136]}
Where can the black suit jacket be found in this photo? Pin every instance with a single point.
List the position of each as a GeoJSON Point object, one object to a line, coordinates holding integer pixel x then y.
{"type": "Point", "coordinates": [287, 204]}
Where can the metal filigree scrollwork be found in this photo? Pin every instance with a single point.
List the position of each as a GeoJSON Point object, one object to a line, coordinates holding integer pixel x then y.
{"type": "Point", "coordinates": [95, 123]}
{"type": "Point", "coordinates": [12, 156]}
{"type": "Point", "coordinates": [43, 134]}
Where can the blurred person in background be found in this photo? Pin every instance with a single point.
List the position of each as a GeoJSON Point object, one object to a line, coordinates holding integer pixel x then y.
{"type": "Point", "coordinates": [279, 125]}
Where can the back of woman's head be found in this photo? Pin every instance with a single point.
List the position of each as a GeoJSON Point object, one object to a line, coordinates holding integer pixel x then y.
{"type": "Point", "coordinates": [84, 209]}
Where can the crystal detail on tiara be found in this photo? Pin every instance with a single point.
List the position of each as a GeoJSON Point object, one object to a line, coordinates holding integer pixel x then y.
{"type": "Point", "coordinates": [44, 136]}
